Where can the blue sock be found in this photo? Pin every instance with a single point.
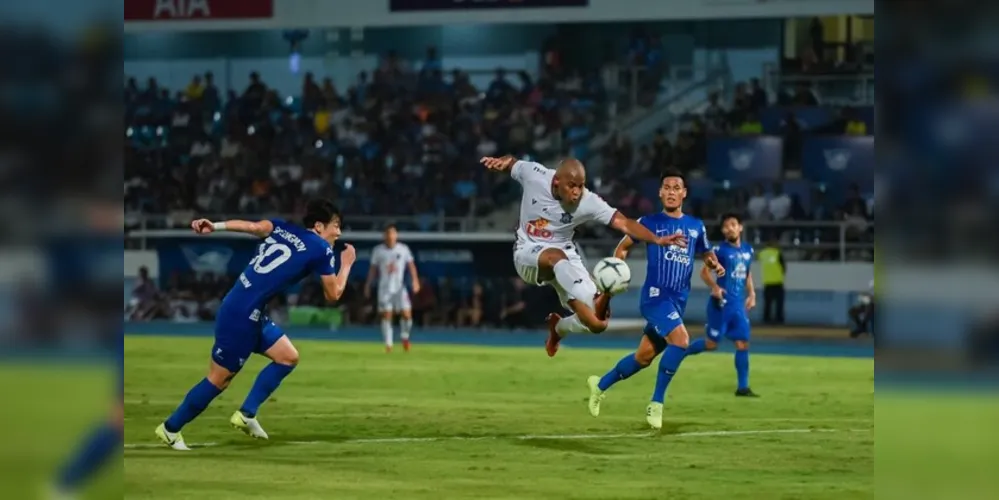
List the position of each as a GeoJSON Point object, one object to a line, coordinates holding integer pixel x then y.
{"type": "Point", "coordinates": [625, 368]}
{"type": "Point", "coordinates": [696, 347]}
{"type": "Point", "coordinates": [668, 365]}
{"type": "Point", "coordinates": [199, 397]}
{"type": "Point", "coordinates": [103, 443]}
{"type": "Point", "coordinates": [265, 385]}
{"type": "Point", "coordinates": [742, 368]}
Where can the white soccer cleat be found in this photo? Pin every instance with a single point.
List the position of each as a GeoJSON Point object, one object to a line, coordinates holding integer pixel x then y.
{"type": "Point", "coordinates": [172, 439]}
{"type": "Point", "coordinates": [596, 395]}
{"type": "Point", "coordinates": [654, 415]}
{"type": "Point", "coordinates": [250, 426]}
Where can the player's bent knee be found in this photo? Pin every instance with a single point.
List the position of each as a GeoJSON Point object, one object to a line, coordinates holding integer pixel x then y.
{"type": "Point", "coordinates": [220, 377]}
{"type": "Point", "coordinates": [741, 345]}
{"type": "Point", "coordinates": [551, 256]}
{"type": "Point", "coordinates": [679, 337]}
{"type": "Point", "coordinates": [710, 345]}
{"type": "Point", "coordinates": [645, 354]}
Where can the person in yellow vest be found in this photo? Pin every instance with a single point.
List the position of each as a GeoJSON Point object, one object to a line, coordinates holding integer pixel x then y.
{"type": "Point", "coordinates": [773, 268]}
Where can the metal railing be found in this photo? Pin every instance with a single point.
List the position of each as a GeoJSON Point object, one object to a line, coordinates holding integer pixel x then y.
{"type": "Point", "coordinates": [831, 89]}
{"type": "Point", "coordinates": [800, 240]}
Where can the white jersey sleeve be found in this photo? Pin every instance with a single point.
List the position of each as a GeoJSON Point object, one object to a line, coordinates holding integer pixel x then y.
{"type": "Point", "coordinates": [593, 207]}
{"type": "Point", "coordinates": [407, 254]}
{"type": "Point", "coordinates": [523, 171]}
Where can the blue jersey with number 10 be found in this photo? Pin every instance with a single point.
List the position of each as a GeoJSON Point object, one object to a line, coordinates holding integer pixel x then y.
{"type": "Point", "coordinates": [285, 257]}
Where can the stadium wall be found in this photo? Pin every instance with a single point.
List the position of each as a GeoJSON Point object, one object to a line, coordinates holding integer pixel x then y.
{"type": "Point", "coordinates": [818, 293]}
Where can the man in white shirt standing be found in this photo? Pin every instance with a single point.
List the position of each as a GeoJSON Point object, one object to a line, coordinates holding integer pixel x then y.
{"type": "Point", "coordinates": [389, 262]}
{"type": "Point", "coordinates": [554, 203]}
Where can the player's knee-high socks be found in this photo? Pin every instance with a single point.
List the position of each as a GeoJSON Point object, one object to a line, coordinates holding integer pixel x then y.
{"type": "Point", "coordinates": [405, 326]}
{"type": "Point", "coordinates": [624, 368]}
{"type": "Point", "coordinates": [197, 399]}
{"type": "Point", "coordinates": [267, 382]}
{"type": "Point", "coordinates": [696, 347]}
{"type": "Point", "coordinates": [742, 368]}
{"type": "Point", "coordinates": [387, 331]}
{"type": "Point", "coordinates": [669, 363]}
{"type": "Point", "coordinates": [98, 448]}
{"type": "Point", "coordinates": [567, 277]}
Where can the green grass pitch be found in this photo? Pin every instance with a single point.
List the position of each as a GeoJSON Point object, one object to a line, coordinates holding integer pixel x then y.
{"type": "Point", "coordinates": [485, 422]}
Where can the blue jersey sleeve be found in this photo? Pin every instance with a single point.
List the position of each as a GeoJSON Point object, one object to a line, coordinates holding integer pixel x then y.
{"type": "Point", "coordinates": [328, 263]}
{"type": "Point", "coordinates": [702, 245]}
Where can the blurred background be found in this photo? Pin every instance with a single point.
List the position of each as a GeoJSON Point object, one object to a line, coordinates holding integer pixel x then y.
{"type": "Point", "coordinates": [247, 109]}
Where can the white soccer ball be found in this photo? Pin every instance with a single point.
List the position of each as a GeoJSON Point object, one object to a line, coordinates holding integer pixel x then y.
{"type": "Point", "coordinates": [612, 275]}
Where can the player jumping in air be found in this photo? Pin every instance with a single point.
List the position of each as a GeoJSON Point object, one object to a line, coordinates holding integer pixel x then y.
{"type": "Point", "coordinates": [664, 297]}
{"type": "Point", "coordinates": [288, 254]}
{"type": "Point", "coordinates": [388, 262]}
{"type": "Point", "coordinates": [554, 203]}
{"type": "Point", "coordinates": [727, 309]}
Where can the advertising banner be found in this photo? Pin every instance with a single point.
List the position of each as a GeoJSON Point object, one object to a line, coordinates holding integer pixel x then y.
{"type": "Point", "coordinates": [839, 160]}
{"type": "Point", "coordinates": [417, 5]}
{"type": "Point", "coordinates": [189, 10]}
{"type": "Point", "coordinates": [745, 159]}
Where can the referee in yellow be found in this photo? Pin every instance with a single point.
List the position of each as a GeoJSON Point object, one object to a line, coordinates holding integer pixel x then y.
{"type": "Point", "coordinates": [774, 268]}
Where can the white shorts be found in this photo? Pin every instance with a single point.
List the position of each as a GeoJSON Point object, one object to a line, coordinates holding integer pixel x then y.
{"type": "Point", "coordinates": [397, 301]}
{"type": "Point", "coordinates": [525, 259]}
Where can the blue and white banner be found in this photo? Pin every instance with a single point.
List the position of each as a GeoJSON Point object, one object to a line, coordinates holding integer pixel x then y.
{"type": "Point", "coordinates": [839, 161]}
{"type": "Point", "coordinates": [745, 159]}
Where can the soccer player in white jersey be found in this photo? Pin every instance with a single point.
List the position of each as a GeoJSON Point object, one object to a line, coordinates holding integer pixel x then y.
{"type": "Point", "coordinates": [389, 260]}
{"type": "Point", "coordinates": [554, 203]}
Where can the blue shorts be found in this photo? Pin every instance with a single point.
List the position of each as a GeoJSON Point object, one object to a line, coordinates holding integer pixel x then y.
{"type": "Point", "coordinates": [662, 317]}
{"type": "Point", "coordinates": [237, 338]}
{"type": "Point", "coordinates": [731, 323]}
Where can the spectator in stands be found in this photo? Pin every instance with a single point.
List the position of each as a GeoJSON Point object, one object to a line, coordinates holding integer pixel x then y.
{"type": "Point", "coordinates": [791, 131]}
{"type": "Point", "coordinates": [854, 203]}
{"type": "Point", "coordinates": [662, 150]}
{"type": "Point", "coordinates": [803, 95]}
{"type": "Point", "coordinates": [715, 116]}
{"type": "Point", "coordinates": [472, 308]}
{"type": "Point", "coordinates": [816, 34]}
{"type": "Point", "coordinates": [757, 96]}
{"type": "Point", "coordinates": [750, 125]}
{"type": "Point", "coordinates": [195, 89]}
{"type": "Point", "coordinates": [424, 302]}
{"type": "Point", "coordinates": [514, 306]}
{"type": "Point", "coordinates": [854, 125]}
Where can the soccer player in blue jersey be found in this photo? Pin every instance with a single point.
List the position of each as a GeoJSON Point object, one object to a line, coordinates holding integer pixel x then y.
{"type": "Point", "coordinates": [288, 254]}
{"type": "Point", "coordinates": [732, 297]}
{"type": "Point", "coordinates": [664, 297]}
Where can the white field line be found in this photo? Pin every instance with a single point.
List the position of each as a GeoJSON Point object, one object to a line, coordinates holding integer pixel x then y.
{"type": "Point", "coordinates": [526, 437]}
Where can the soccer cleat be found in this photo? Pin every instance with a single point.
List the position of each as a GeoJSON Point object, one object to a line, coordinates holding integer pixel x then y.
{"type": "Point", "coordinates": [250, 426]}
{"type": "Point", "coordinates": [596, 395]}
{"type": "Point", "coordinates": [405, 345]}
{"type": "Point", "coordinates": [654, 415]}
{"type": "Point", "coordinates": [388, 349]}
{"type": "Point", "coordinates": [551, 345]}
{"type": "Point", "coordinates": [746, 393]}
{"type": "Point", "coordinates": [172, 439]}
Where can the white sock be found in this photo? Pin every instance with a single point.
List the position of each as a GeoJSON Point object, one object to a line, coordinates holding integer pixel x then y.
{"type": "Point", "coordinates": [387, 331]}
{"type": "Point", "coordinates": [570, 324]}
{"type": "Point", "coordinates": [405, 325]}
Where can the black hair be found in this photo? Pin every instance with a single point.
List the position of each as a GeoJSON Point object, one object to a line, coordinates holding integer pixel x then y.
{"type": "Point", "coordinates": [730, 215]}
{"type": "Point", "coordinates": [390, 225]}
{"type": "Point", "coordinates": [672, 172]}
{"type": "Point", "coordinates": [320, 210]}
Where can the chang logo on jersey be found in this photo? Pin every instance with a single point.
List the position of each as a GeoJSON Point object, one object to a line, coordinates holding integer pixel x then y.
{"type": "Point", "coordinates": [203, 259]}
{"type": "Point", "coordinates": [538, 228]}
{"type": "Point", "coordinates": [837, 159]}
{"type": "Point", "coordinates": [676, 253]}
{"type": "Point", "coordinates": [741, 159]}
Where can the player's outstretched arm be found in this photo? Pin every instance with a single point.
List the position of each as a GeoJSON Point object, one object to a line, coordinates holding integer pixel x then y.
{"type": "Point", "coordinates": [624, 247]}
{"type": "Point", "coordinates": [260, 229]}
{"type": "Point", "coordinates": [711, 262]}
{"type": "Point", "coordinates": [502, 164]}
{"type": "Point", "coordinates": [335, 284]}
{"type": "Point", "coordinates": [637, 231]}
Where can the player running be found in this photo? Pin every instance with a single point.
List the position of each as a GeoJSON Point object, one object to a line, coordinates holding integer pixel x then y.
{"type": "Point", "coordinates": [554, 203]}
{"type": "Point", "coordinates": [287, 255]}
{"type": "Point", "coordinates": [727, 309]}
{"type": "Point", "coordinates": [388, 260]}
{"type": "Point", "coordinates": [664, 297]}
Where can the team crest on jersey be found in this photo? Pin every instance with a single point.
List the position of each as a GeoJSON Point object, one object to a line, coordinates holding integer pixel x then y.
{"type": "Point", "coordinates": [693, 233]}
{"type": "Point", "coordinates": [538, 228]}
{"type": "Point", "coordinates": [566, 218]}
{"type": "Point", "coordinates": [676, 248]}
